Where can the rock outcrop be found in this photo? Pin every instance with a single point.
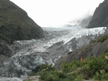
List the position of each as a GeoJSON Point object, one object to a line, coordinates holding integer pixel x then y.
{"type": "Point", "coordinates": [100, 17]}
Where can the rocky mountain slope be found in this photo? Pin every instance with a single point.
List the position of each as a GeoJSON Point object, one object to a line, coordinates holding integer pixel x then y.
{"type": "Point", "coordinates": [15, 25]}
{"type": "Point", "coordinates": [100, 17]}
{"type": "Point", "coordinates": [95, 48]}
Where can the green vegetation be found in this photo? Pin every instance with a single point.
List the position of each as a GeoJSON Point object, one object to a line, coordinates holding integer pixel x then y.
{"type": "Point", "coordinates": [92, 68]}
{"type": "Point", "coordinates": [69, 53]}
{"type": "Point", "coordinates": [11, 32]}
{"type": "Point", "coordinates": [86, 47]}
{"type": "Point", "coordinates": [100, 39]}
{"type": "Point", "coordinates": [49, 73]}
{"type": "Point", "coordinates": [72, 66]}
{"type": "Point", "coordinates": [103, 38]}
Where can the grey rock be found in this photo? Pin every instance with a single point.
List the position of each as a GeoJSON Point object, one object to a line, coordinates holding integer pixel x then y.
{"type": "Point", "coordinates": [20, 65]}
{"type": "Point", "coordinates": [92, 49]}
{"type": "Point", "coordinates": [6, 51]}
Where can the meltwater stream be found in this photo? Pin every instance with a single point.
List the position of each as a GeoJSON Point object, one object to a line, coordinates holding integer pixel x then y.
{"type": "Point", "coordinates": [31, 53]}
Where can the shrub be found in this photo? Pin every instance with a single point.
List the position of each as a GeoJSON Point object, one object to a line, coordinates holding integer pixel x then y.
{"type": "Point", "coordinates": [101, 77]}
{"type": "Point", "coordinates": [93, 68]}
{"type": "Point", "coordinates": [102, 38]}
{"type": "Point", "coordinates": [69, 67]}
{"type": "Point", "coordinates": [79, 78]}
{"type": "Point", "coordinates": [69, 53]}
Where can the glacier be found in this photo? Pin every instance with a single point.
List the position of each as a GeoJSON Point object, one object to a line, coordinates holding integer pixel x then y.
{"type": "Point", "coordinates": [58, 42]}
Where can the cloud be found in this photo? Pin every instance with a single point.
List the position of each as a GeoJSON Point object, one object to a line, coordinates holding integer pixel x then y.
{"type": "Point", "coordinates": [56, 12]}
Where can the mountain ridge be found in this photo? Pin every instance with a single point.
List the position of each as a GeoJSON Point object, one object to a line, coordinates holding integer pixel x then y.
{"type": "Point", "coordinates": [17, 22]}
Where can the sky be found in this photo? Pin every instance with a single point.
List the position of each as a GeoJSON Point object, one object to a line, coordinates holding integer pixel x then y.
{"type": "Point", "coordinates": [50, 13]}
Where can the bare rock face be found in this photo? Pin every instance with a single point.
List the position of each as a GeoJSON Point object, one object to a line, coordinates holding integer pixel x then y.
{"type": "Point", "coordinates": [100, 17]}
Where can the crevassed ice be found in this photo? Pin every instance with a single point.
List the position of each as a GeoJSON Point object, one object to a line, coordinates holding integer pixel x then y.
{"type": "Point", "coordinates": [32, 46]}
{"type": "Point", "coordinates": [86, 32]}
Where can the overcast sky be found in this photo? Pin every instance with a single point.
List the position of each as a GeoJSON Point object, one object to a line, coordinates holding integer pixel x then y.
{"type": "Point", "coordinates": [57, 12]}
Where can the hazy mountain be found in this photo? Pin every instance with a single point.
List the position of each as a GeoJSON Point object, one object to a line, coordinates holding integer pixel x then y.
{"type": "Point", "coordinates": [85, 21]}
{"type": "Point", "coordinates": [100, 17]}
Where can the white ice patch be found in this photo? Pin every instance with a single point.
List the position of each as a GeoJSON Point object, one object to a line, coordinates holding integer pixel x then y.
{"type": "Point", "coordinates": [86, 32]}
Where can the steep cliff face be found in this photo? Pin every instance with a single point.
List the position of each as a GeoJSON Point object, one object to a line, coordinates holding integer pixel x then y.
{"type": "Point", "coordinates": [100, 17]}
{"type": "Point", "coordinates": [15, 23]}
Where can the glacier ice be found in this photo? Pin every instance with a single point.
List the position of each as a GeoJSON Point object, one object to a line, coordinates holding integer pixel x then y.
{"type": "Point", "coordinates": [58, 42]}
